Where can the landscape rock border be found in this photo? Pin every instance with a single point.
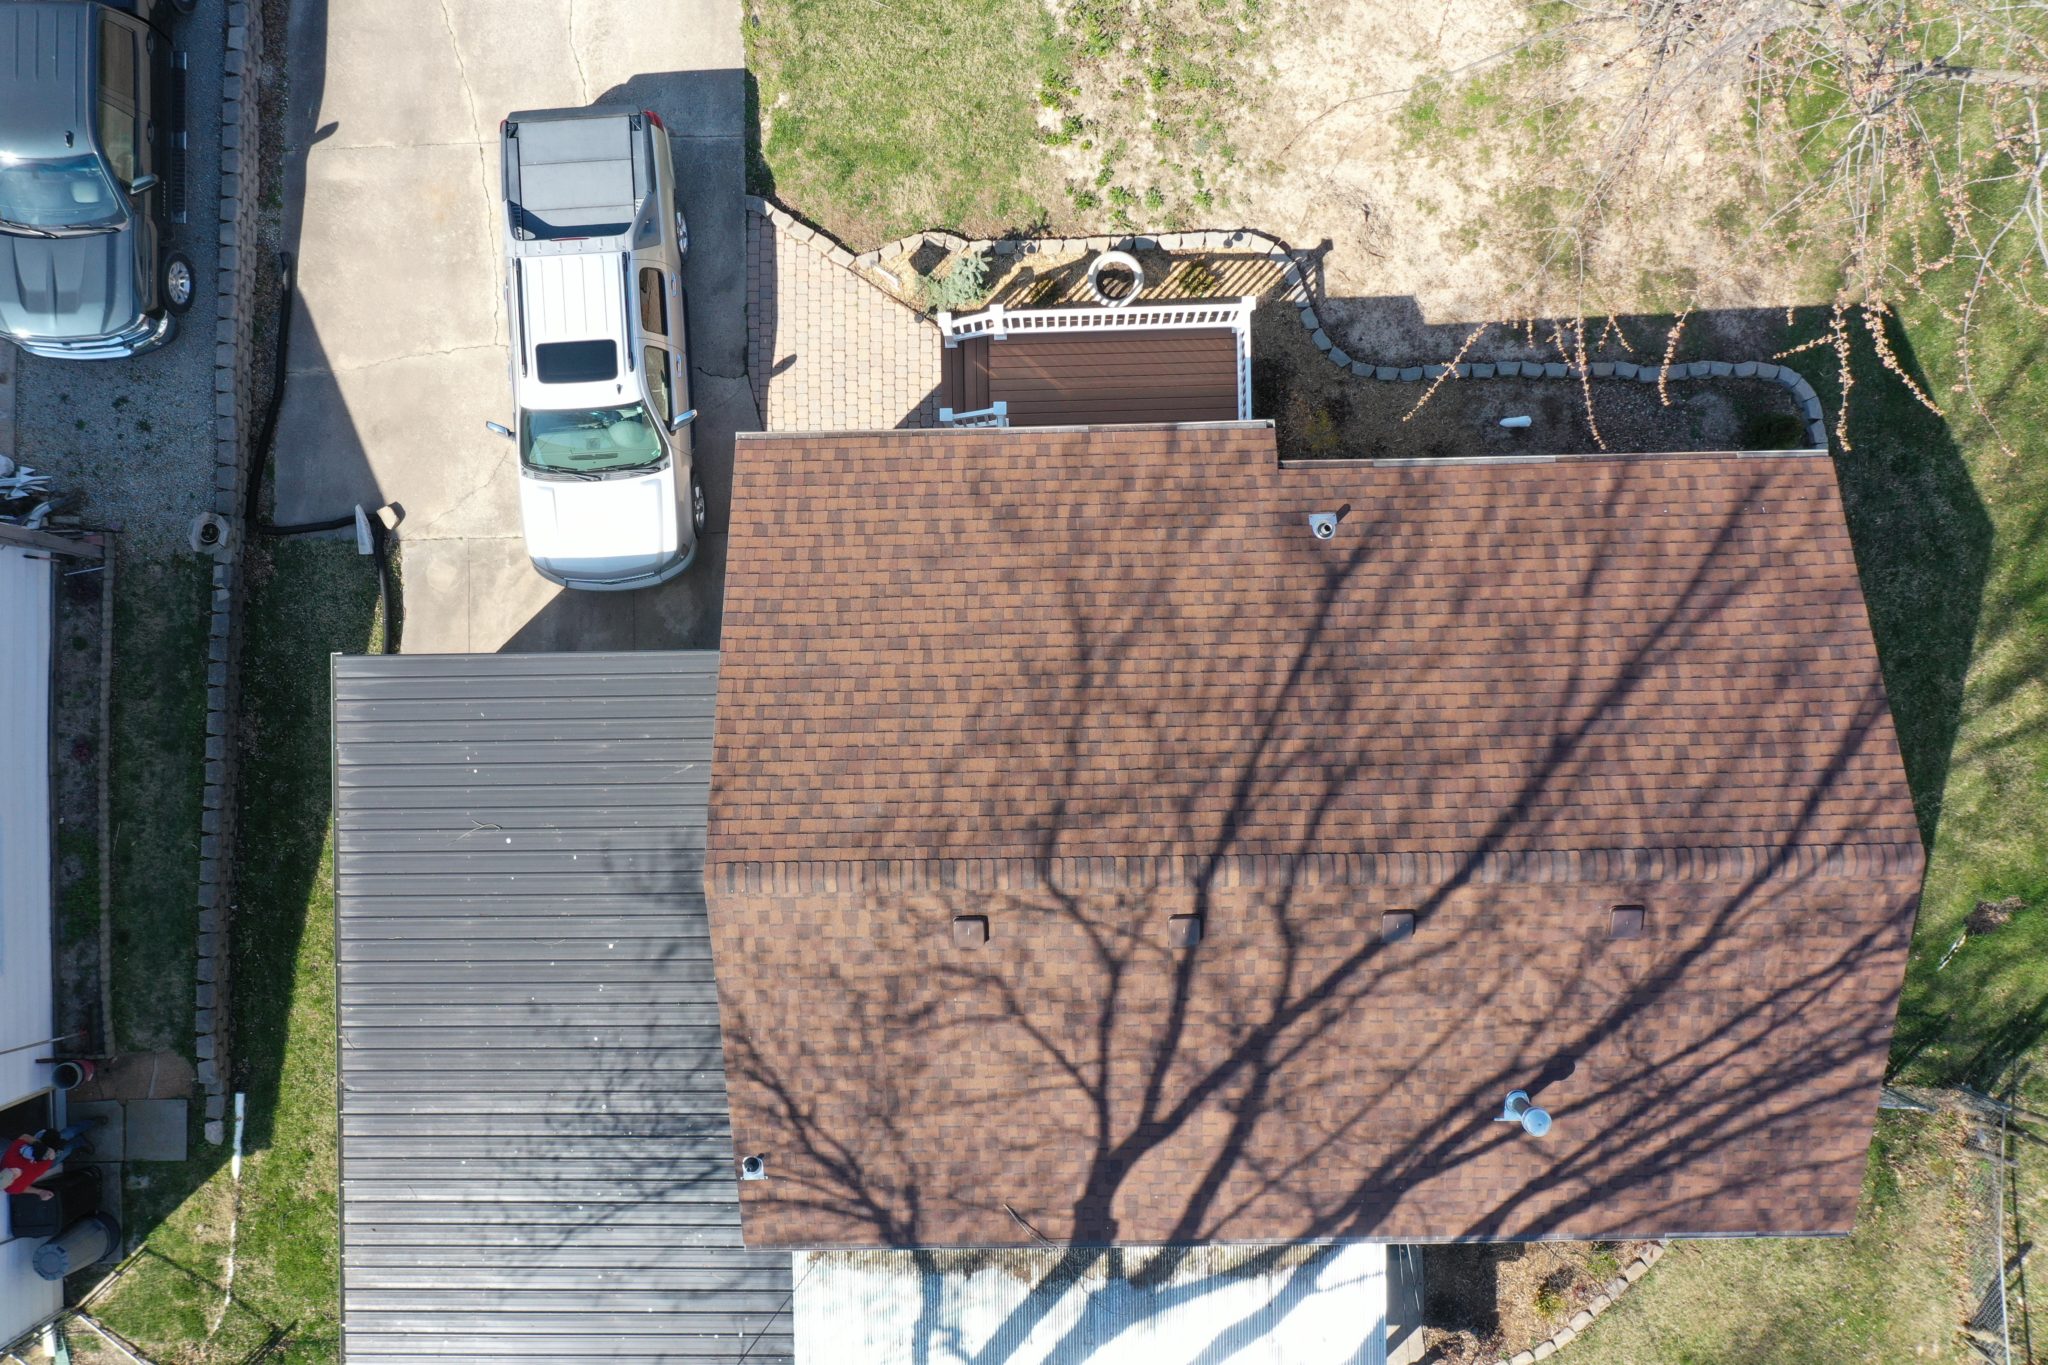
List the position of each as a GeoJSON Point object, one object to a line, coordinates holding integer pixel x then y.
{"type": "Point", "coordinates": [241, 155]}
{"type": "Point", "coordinates": [1609, 1294]}
{"type": "Point", "coordinates": [1296, 291]}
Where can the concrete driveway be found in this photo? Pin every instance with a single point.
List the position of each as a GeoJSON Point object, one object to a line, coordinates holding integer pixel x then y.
{"type": "Point", "coordinates": [399, 342]}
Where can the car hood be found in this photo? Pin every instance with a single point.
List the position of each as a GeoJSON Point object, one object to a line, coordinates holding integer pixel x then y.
{"type": "Point", "coordinates": [63, 288]}
{"type": "Point", "coordinates": [601, 532]}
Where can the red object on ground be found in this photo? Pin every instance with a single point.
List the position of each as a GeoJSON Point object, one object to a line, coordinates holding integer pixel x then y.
{"type": "Point", "coordinates": [19, 1158]}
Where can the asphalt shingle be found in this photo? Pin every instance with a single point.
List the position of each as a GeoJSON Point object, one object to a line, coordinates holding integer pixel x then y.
{"type": "Point", "coordinates": [1079, 682]}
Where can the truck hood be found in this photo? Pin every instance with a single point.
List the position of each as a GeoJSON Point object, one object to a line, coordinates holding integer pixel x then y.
{"type": "Point", "coordinates": [68, 288]}
{"type": "Point", "coordinates": [606, 532]}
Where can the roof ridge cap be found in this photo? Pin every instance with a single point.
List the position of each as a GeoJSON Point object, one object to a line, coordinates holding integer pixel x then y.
{"type": "Point", "coordinates": [808, 876]}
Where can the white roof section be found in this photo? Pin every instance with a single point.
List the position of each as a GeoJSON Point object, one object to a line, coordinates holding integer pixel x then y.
{"type": "Point", "coordinates": [1226, 1305]}
{"type": "Point", "coordinates": [27, 1014]}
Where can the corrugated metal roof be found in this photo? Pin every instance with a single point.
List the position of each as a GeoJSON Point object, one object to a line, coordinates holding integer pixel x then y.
{"type": "Point", "coordinates": [536, 1155]}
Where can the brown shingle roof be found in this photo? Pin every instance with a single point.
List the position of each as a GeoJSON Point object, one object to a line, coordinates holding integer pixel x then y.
{"type": "Point", "coordinates": [1079, 682]}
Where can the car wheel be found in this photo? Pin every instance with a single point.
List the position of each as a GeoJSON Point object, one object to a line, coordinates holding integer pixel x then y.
{"type": "Point", "coordinates": [181, 282]}
{"type": "Point", "coordinates": [699, 510]}
{"type": "Point", "coordinates": [682, 236]}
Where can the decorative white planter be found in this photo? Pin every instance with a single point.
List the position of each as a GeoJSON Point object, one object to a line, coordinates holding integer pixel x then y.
{"type": "Point", "coordinates": [1123, 260]}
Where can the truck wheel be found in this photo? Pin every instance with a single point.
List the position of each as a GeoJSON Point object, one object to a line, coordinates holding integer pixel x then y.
{"type": "Point", "coordinates": [181, 284]}
{"type": "Point", "coordinates": [699, 511]}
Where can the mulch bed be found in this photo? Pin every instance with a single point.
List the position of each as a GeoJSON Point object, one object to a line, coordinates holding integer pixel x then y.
{"type": "Point", "coordinates": [1484, 1302]}
{"type": "Point", "coordinates": [1322, 411]}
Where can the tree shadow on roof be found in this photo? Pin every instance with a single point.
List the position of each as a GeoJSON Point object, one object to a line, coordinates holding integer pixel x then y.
{"type": "Point", "coordinates": [1721, 1066]}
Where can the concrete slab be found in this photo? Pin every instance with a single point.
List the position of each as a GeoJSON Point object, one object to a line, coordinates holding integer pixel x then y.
{"type": "Point", "coordinates": [110, 1194]}
{"type": "Point", "coordinates": [106, 1139]}
{"type": "Point", "coordinates": [498, 42]}
{"type": "Point", "coordinates": [386, 78]}
{"type": "Point", "coordinates": [617, 42]}
{"type": "Point", "coordinates": [398, 346]}
{"type": "Point", "coordinates": [157, 1131]}
{"type": "Point", "coordinates": [395, 258]}
{"type": "Point", "coordinates": [137, 1076]}
{"type": "Point", "coordinates": [409, 431]}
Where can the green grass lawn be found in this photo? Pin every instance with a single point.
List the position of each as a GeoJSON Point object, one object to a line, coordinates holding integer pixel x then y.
{"type": "Point", "coordinates": [316, 597]}
{"type": "Point", "coordinates": [158, 755]}
{"type": "Point", "coordinates": [884, 119]}
{"type": "Point", "coordinates": [1882, 1295]}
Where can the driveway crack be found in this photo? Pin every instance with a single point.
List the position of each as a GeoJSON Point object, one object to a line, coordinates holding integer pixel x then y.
{"type": "Point", "coordinates": [476, 130]}
{"type": "Point", "coordinates": [576, 55]}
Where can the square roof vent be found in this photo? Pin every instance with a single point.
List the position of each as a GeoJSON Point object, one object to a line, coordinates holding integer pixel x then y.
{"type": "Point", "coordinates": [1627, 922]}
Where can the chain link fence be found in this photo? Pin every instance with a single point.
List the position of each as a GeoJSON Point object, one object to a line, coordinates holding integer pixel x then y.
{"type": "Point", "coordinates": [1988, 1330]}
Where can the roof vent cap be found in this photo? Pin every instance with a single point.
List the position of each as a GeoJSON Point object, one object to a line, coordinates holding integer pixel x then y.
{"type": "Point", "coordinates": [1521, 1109]}
{"type": "Point", "coordinates": [1323, 525]}
{"type": "Point", "coordinates": [753, 1168]}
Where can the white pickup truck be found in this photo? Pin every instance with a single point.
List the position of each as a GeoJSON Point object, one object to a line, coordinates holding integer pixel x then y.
{"type": "Point", "coordinates": [608, 492]}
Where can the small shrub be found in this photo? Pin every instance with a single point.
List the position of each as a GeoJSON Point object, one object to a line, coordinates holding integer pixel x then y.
{"type": "Point", "coordinates": [1198, 280]}
{"type": "Point", "coordinates": [1551, 1300]}
{"type": "Point", "coordinates": [958, 288]}
{"type": "Point", "coordinates": [1603, 1264]}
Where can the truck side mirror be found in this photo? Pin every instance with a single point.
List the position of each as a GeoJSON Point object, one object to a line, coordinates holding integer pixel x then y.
{"type": "Point", "coordinates": [143, 184]}
{"type": "Point", "coordinates": [500, 428]}
{"type": "Point", "coordinates": [683, 420]}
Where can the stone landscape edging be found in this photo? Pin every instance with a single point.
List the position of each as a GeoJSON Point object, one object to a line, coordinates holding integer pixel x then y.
{"type": "Point", "coordinates": [1296, 290]}
{"type": "Point", "coordinates": [1609, 1294]}
{"type": "Point", "coordinates": [233, 406]}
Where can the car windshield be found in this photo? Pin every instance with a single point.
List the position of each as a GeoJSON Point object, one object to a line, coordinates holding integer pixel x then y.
{"type": "Point", "coordinates": [590, 440]}
{"type": "Point", "coordinates": [70, 192]}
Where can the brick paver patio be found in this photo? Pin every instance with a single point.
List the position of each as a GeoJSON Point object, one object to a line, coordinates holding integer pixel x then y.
{"type": "Point", "coordinates": [827, 350]}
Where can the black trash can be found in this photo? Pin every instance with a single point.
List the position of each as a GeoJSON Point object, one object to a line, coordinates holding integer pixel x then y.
{"type": "Point", "coordinates": [84, 1243]}
{"type": "Point", "coordinates": [76, 1195]}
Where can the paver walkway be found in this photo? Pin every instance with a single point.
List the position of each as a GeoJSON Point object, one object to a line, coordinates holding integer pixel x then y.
{"type": "Point", "coordinates": [826, 350]}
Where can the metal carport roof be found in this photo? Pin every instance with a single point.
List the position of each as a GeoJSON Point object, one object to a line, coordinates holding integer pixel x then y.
{"type": "Point", "coordinates": [536, 1154]}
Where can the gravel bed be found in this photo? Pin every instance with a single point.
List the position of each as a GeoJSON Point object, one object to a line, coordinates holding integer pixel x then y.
{"type": "Point", "coordinates": [130, 442]}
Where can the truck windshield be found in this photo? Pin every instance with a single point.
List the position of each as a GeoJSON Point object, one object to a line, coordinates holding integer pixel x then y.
{"type": "Point", "coordinates": [69, 192]}
{"type": "Point", "coordinates": [590, 440]}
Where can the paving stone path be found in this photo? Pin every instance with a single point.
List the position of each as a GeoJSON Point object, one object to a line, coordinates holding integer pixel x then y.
{"type": "Point", "coordinates": [826, 350]}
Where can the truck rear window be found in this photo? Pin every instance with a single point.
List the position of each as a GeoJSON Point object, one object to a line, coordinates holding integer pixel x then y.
{"type": "Point", "coordinates": [576, 362]}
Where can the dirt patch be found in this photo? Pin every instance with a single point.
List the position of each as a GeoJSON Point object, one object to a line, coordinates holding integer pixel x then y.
{"type": "Point", "coordinates": [1485, 1302]}
{"type": "Point", "coordinates": [1429, 162]}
